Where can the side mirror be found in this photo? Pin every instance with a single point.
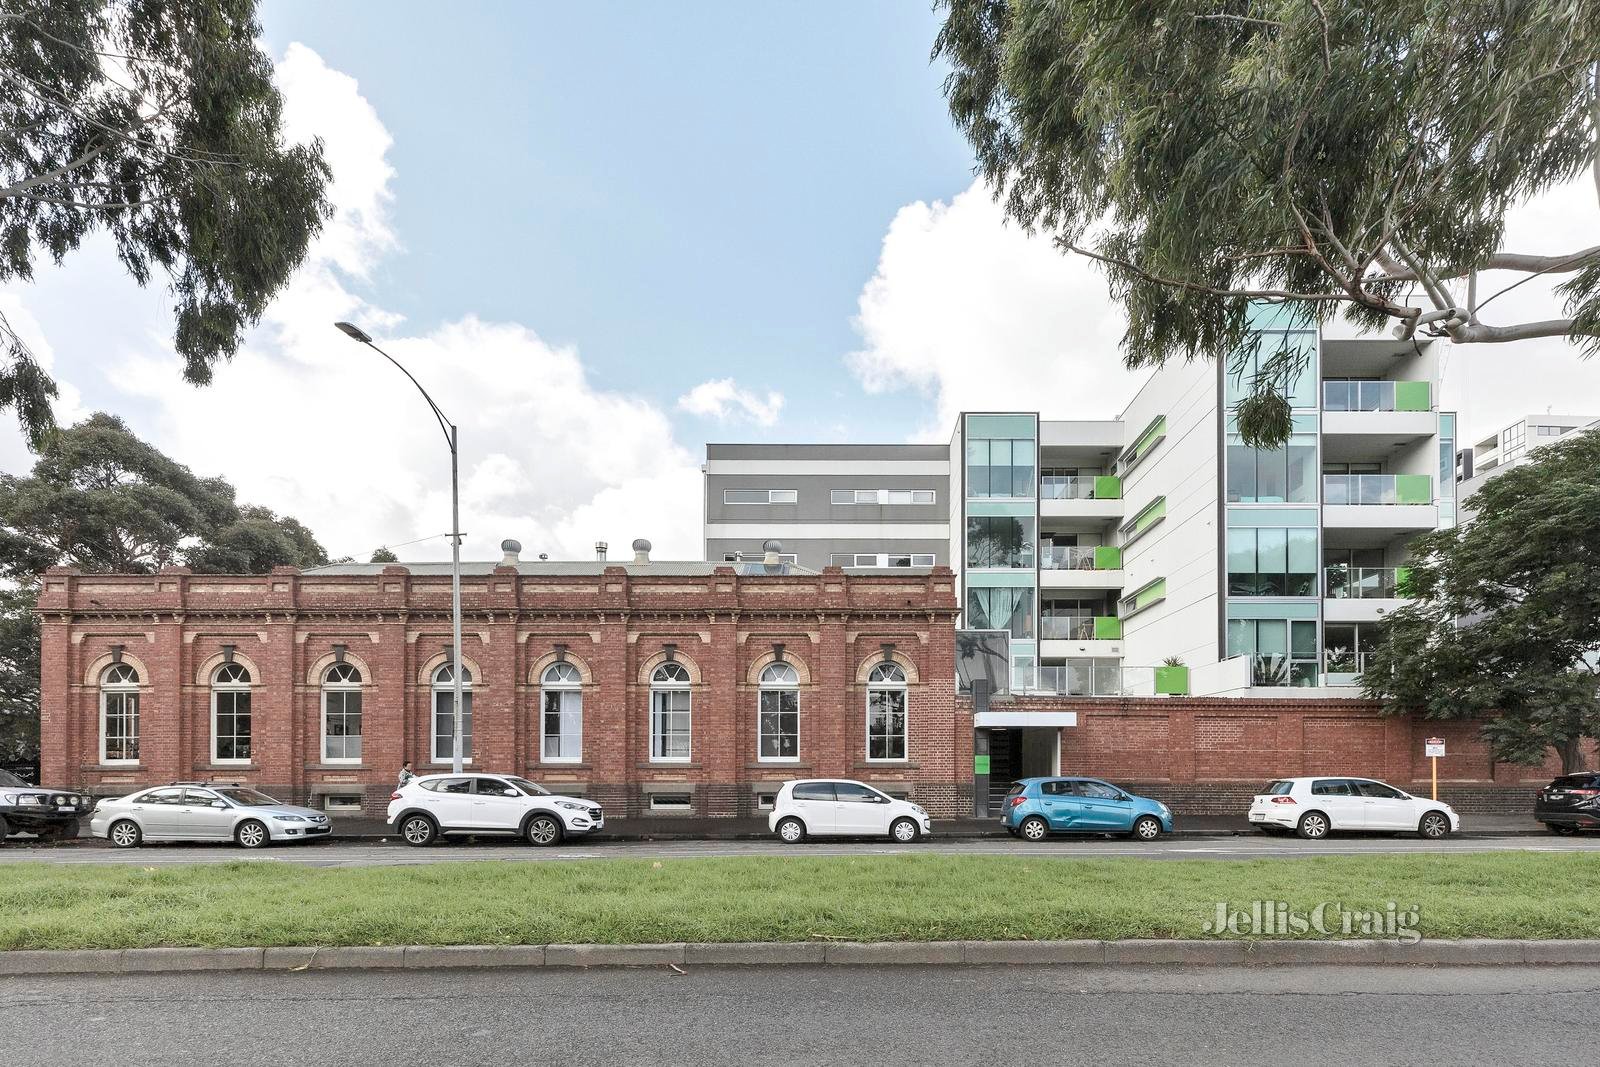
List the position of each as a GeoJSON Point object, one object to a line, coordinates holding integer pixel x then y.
{"type": "Point", "coordinates": [218, 804]}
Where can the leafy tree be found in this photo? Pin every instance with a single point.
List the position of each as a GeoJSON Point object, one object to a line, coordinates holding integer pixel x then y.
{"type": "Point", "coordinates": [1504, 623]}
{"type": "Point", "coordinates": [157, 122]}
{"type": "Point", "coordinates": [383, 555]}
{"type": "Point", "coordinates": [1332, 154]}
{"type": "Point", "coordinates": [100, 499]}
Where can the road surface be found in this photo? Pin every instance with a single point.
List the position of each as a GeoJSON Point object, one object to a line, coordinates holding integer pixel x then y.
{"type": "Point", "coordinates": [360, 854]}
{"type": "Point", "coordinates": [812, 1016]}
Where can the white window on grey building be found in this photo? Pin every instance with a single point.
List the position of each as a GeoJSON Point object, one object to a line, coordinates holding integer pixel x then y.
{"type": "Point", "coordinates": [760, 496]}
{"type": "Point", "coordinates": [882, 496]}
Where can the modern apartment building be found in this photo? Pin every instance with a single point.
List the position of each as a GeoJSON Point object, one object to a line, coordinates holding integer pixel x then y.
{"type": "Point", "coordinates": [1499, 452]}
{"type": "Point", "coordinates": [1154, 552]}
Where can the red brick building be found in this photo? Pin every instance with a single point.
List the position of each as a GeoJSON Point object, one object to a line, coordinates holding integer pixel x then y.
{"type": "Point", "coordinates": [682, 688]}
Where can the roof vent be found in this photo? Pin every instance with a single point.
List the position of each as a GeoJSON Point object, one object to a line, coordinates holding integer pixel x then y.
{"type": "Point", "coordinates": [773, 553]}
{"type": "Point", "coordinates": [600, 550]}
{"type": "Point", "coordinates": [510, 548]}
{"type": "Point", "coordinates": [641, 551]}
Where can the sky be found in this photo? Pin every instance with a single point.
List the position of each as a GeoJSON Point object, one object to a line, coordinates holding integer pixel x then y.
{"type": "Point", "coordinates": [605, 234]}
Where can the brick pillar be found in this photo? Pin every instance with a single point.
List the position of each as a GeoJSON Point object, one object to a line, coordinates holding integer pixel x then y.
{"type": "Point", "coordinates": [717, 720]}
{"type": "Point", "coordinates": [834, 674]}
{"type": "Point", "coordinates": [166, 722]}
{"type": "Point", "coordinates": [1180, 743]}
{"type": "Point", "coordinates": [272, 713]}
{"type": "Point", "coordinates": [494, 727]}
{"type": "Point", "coordinates": [609, 727]}
{"type": "Point", "coordinates": [62, 722]}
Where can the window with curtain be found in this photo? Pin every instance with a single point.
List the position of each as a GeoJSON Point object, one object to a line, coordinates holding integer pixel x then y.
{"type": "Point", "coordinates": [119, 714]}
{"type": "Point", "coordinates": [1000, 608]}
{"type": "Point", "coordinates": [561, 689]}
{"type": "Point", "coordinates": [341, 714]}
{"type": "Point", "coordinates": [778, 713]}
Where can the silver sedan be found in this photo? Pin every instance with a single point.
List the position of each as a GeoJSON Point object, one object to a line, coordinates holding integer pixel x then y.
{"type": "Point", "coordinates": [187, 811]}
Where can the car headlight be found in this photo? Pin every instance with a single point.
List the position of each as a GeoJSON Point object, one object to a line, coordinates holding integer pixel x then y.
{"type": "Point", "coordinates": [25, 799]}
{"type": "Point", "coordinates": [571, 806]}
{"type": "Point", "coordinates": [289, 818]}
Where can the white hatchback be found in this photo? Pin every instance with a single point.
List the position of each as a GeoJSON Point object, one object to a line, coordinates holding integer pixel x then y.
{"type": "Point", "coordinates": [1312, 807]}
{"type": "Point", "coordinates": [840, 808]}
{"type": "Point", "coordinates": [435, 804]}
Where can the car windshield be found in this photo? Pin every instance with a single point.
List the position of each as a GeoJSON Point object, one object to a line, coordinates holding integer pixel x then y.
{"type": "Point", "coordinates": [10, 780]}
{"type": "Point", "coordinates": [248, 798]}
{"type": "Point", "coordinates": [1574, 781]}
{"type": "Point", "coordinates": [533, 789]}
{"type": "Point", "coordinates": [1278, 789]}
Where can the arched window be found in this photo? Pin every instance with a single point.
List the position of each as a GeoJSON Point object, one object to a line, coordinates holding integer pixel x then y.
{"type": "Point", "coordinates": [886, 713]}
{"type": "Point", "coordinates": [341, 714]}
{"type": "Point", "coordinates": [119, 714]}
{"type": "Point", "coordinates": [778, 715]}
{"type": "Point", "coordinates": [670, 714]}
{"type": "Point", "coordinates": [444, 727]}
{"type": "Point", "coordinates": [230, 714]}
{"type": "Point", "coordinates": [562, 728]}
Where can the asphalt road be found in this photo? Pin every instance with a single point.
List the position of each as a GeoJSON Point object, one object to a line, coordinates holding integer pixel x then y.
{"type": "Point", "coordinates": [812, 1016]}
{"type": "Point", "coordinates": [338, 854]}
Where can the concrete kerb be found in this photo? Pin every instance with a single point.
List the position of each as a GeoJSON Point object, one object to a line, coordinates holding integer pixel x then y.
{"type": "Point", "coordinates": [1231, 953]}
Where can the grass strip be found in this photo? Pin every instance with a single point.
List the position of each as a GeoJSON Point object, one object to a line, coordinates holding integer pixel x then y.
{"type": "Point", "coordinates": [878, 898]}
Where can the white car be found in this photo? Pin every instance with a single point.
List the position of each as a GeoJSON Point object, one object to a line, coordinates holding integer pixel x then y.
{"type": "Point", "coordinates": [833, 807]}
{"type": "Point", "coordinates": [1313, 806]}
{"type": "Point", "coordinates": [477, 804]}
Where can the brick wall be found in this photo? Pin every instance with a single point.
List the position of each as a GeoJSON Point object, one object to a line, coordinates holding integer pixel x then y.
{"type": "Point", "coordinates": [286, 628]}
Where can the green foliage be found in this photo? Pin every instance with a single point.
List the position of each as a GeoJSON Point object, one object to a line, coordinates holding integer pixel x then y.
{"type": "Point", "coordinates": [1327, 154]}
{"type": "Point", "coordinates": [383, 555]}
{"type": "Point", "coordinates": [1506, 616]}
{"type": "Point", "coordinates": [19, 675]}
{"type": "Point", "coordinates": [174, 150]}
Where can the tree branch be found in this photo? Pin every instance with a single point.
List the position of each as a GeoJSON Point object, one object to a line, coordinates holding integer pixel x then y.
{"type": "Point", "coordinates": [54, 173]}
{"type": "Point", "coordinates": [1477, 333]}
{"type": "Point", "coordinates": [1196, 287]}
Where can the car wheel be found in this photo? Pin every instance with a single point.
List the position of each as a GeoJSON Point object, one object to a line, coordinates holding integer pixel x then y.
{"type": "Point", "coordinates": [5, 828]}
{"type": "Point", "coordinates": [904, 831]}
{"type": "Point", "coordinates": [543, 830]}
{"type": "Point", "coordinates": [418, 830]}
{"type": "Point", "coordinates": [1147, 828]}
{"type": "Point", "coordinates": [1434, 825]}
{"type": "Point", "coordinates": [252, 833]}
{"type": "Point", "coordinates": [791, 831]}
{"type": "Point", "coordinates": [1313, 825]}
{"type": "Point", "coordinates": [125, 833]}
{"type": "Point", "coordinates": [64, 831]}
{"type": "Point", "coordinates": [1034, 828]}
{"type": "Point", "coordinates": [1561, 828]}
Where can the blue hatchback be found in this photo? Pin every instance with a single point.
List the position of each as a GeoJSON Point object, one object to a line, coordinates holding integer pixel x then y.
{"type": "Point", "coordinates": [1038, 807]}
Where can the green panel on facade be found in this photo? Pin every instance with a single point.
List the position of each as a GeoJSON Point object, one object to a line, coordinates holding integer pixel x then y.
{"type": "Point", "coordinates": [1150, 593]}
{"type": "Point", "coordinates": [1013, 426]}
{"type": "Point", "coordinates": [1011, 508]}
{"type": "Point", "coordinates": [1107, 558]}
{"type": "Point", "coordinates": [1107, 487]}
{"type": "Point", "coordinates": [1300, 518]}
{"type": "Point", "coordinates": [1156, 509]}
{"type": "Point", "coordinates": [980, 764]}
{"type": "Point", "coordinates": [1148, 438]}
{"type": "Point", "coordinates": [1172, 681]}
{"type": "Point", "coordinates": [1413, 489]}
{"type": "Point", "coordinates": [1107, 628]}
{"type": "Point", "coordinates": [1014, 579]}
{"type": "Point", "coordinates": [1402, 581]}
{"type": "Point", "coordinates": [1412, 396]}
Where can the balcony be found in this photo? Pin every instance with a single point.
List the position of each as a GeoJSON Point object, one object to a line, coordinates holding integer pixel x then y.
{"type": "Point", "coordinates": [1387, 504]}
{"type": "Point", "coordinates": [1342, 667]}
{"type": "Point", "coordinates": [1376, 396]}
{"type": "Point", "coordinates": [1080, 567]}
{"type": "Point", "coordinates": [1097, 497]}
{"type": "Point", "coordinates": [1110, 680]}
{"type": "Point", "coordinates": [1080, 628]}
{"type": "Point", "coordinates": [1362, 594]}
{"type": "Point", "coordinates": [1363, 417]}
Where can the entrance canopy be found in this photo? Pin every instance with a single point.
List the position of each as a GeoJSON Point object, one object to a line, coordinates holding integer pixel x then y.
{"type": "Point", "coordinates": [1025, 718]}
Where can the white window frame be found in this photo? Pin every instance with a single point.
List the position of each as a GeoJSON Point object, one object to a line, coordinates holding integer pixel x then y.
{"type": "Point", "coordinates": [443, 684]}
{"type": "Point", "coordinates": [561, 680]}
{"type": "Point", "coordinates": [881, 560]}
{"type": "Point", "coordinates": [232, 685]}
{"type": "Point", "coordinates": [770, 683]}
{"type": "Point", "coordinates": [758, 557]}
{"type": "Point", "coordinates": [896, 684]}
{"type": "Point", "coordinates": [658, 802]}
{"type": "Point", "coordinates": [774, 496]}
{"type": "Point", "coordinates": [663, 687]}
{"type": "Point", "coordinates": [125, 687]}
{"type": "Point", "coordinates": [343, 686]}
{"type": "Point", "coordinates": [880, 497]}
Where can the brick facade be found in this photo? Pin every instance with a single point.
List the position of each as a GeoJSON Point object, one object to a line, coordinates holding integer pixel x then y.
{"type": "Point", "coordinates": [616, 623]}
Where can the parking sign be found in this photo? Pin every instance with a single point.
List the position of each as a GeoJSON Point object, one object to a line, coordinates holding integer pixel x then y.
{"type": "Point", "coordinates": [1434, 746]}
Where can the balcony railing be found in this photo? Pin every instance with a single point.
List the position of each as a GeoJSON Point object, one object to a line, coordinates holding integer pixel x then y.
{"type": "Point", "coordinates": [1377, 489]}
{"type": "Point", "coordinates": [1343, 667]}
{"type": "Point", "coordinates": [1080, 558]}
{"type": "Point", "coordinates": [1376, 396]}
{"type": "Point", "coordinates": [1082, 681]}
{"type": "Point", "coordinates": [1364, 583]}
{"type": "Point", "coordinates": [1079, 628]}
{"type": "Point", "coordinates": [1080, 487]}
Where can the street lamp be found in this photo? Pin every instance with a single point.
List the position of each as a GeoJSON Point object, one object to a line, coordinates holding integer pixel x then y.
{"type": "Point", "coordinates": [356, 333]}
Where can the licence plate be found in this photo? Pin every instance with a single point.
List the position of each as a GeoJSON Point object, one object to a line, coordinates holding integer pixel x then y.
{"type": "Point", "coordinates": [1258, 816]}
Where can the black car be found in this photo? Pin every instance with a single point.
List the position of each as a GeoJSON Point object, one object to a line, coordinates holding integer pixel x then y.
{"type": "Point", "coordinates": [52, 814]}
{"type": "Point", "coordinates": [1569, 803]}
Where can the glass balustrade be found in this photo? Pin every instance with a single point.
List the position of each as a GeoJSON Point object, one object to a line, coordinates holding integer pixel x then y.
{"type": "Point", "coordinates": [1363, 583]}
{"type": "Point", "coordinates": [1067, 558]}
{"type": "Point", "coordinates": [1377, 489]}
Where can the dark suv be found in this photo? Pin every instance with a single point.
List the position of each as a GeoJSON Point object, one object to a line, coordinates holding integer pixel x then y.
{"type": "Point", "coordinates": [51, 813]}
{"type": "Point", "coordinates": [1569, 803]}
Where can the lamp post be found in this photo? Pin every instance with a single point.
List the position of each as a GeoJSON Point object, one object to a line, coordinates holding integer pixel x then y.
{"type": "Point", "coordinates": [356, 333]}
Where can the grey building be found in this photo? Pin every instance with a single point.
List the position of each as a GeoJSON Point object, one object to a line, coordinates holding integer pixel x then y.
{"type": "Point", "coordinates": [850, 505]}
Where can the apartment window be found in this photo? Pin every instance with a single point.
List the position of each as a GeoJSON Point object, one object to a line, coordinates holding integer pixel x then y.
{"type": "Point", "coordinates": [341, 714]}
{"type": "Point", "coordinates": [778, 714]}
{"type": "Point", "coordinates": [881, 559]}
{"type": "Point", "coordinates": [1345, 649]}
{"type": "Point", "coordinates": [758, 557]}
{"type": "Point", "coordinates": [444, 715]}
{"type": "Point", "coordinates": [1000, 541]}
{"type": "Point", "coordinates": [1554, 431]}
{"type": "Point", "coordinates": [886, 713]}
{"type": "Point", "coordinates": [1272, 561]}
{"type": "Point", "coordinates": [1286, 475]}
{"type": "Point", "coordinates": [561, 698]}
{"type": "Point", "coordinates": [1283, 652]}
{"type": "Point", "coordinates": [1001, 608]}
{"type": "Point", "coordinates": [119, 714]}
{"type": "Point", "coordinates": [230, 714]}
{"type": "Point", "coordinates": [670, 714]}
{"type": "Point", "coordinates": [678, 803]}
{"type": "Point", "coordinates": [882, 496]}
{"type": "Point", "coordinates": [1000, 467]}
{"type": "Point", "coordinates": [1288, 359]}
{"type": "Point", "coordinates": [760, 496]}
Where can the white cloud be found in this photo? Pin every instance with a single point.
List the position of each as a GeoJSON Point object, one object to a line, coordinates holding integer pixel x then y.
{"type": "Point", "coordinates": [977, 314]}
{"type": "Point", "coordinates": [723, 400]}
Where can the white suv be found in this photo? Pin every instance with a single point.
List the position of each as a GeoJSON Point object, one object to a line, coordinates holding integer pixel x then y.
{"type": "Point", "coordinates": [1313, 806]}
{"type": "Point", "coordinates": [819, 808]}
{"type": "Point", "coordinates": [435, 804]}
